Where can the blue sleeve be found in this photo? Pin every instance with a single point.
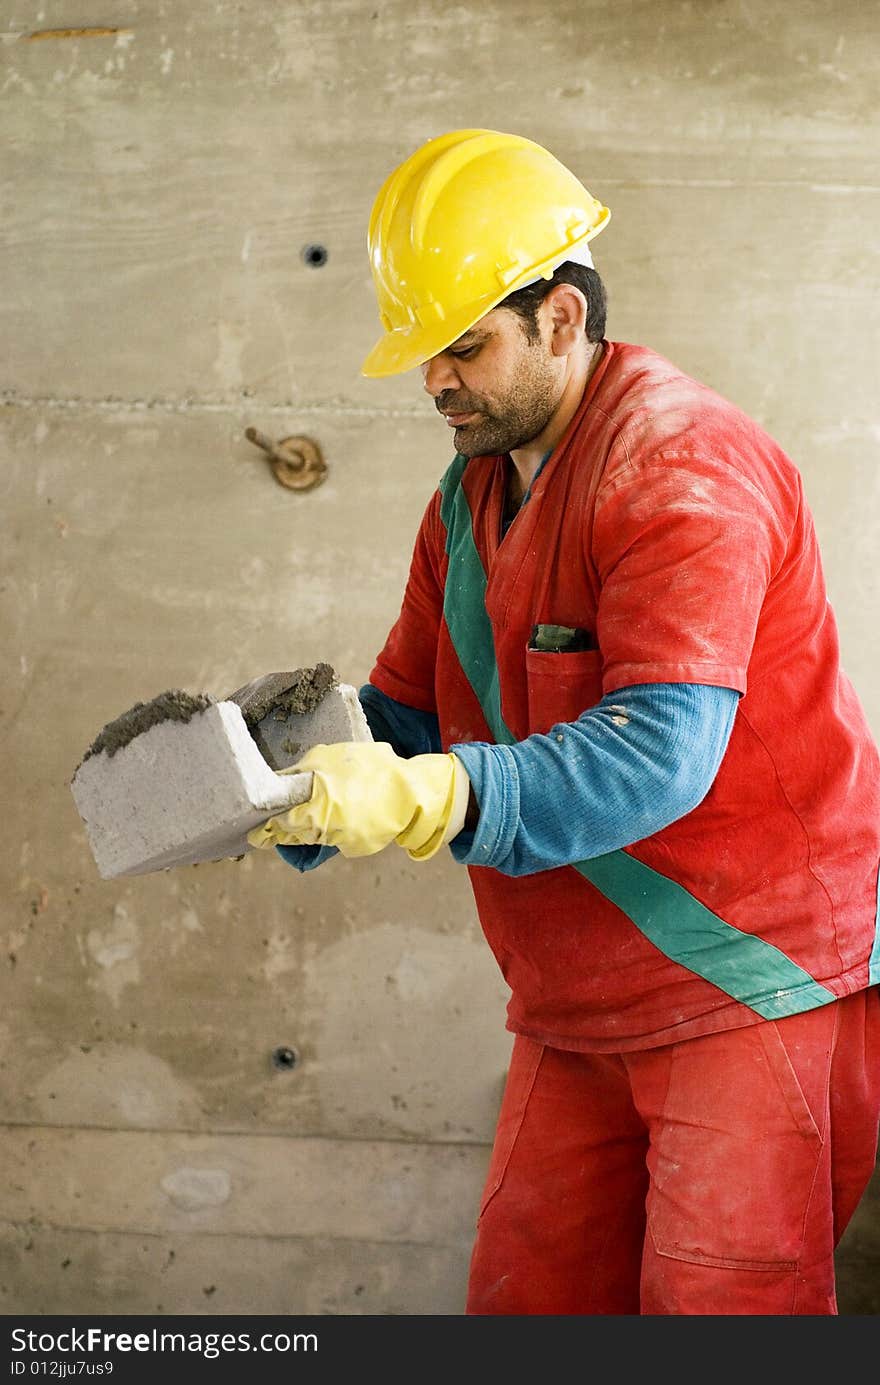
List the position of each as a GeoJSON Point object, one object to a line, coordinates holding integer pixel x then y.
{"type": "Point", "coordinates": [637, 761]}
{"type": "Point", "coordinates": [409, 732]}
{"type": "Point", "coordinates": [304, 858]}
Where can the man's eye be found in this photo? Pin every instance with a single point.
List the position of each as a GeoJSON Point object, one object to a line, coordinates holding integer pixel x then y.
{"type": "Point", "coordinates": [463, 352]}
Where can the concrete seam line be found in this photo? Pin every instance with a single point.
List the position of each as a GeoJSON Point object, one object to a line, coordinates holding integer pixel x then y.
{"type": "Point", "coordinates": [114, 404]}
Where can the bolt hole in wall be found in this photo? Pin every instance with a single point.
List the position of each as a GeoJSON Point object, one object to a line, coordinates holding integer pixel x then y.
{"type": "Point", "coordinates": [315, 255]}
{"type": "Point", "coordinates": [285, 1058]}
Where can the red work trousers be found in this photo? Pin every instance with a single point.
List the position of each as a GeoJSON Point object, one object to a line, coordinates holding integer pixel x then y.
{"type": "Point", "coordinates": [713, 1176]}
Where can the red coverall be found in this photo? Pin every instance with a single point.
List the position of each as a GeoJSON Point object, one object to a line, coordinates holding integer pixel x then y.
{"type": "Point", "coordinates": [691, 1112]}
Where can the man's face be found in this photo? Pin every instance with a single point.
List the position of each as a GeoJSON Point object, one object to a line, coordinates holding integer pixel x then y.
{"type": "Point", "coordinates": [496, 388]}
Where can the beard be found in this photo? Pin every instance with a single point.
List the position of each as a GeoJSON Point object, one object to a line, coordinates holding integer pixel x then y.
{"type": "Point", "coordinates": [509, 420]}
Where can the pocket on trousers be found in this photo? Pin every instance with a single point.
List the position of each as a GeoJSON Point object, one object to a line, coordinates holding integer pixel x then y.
{"type": "Point", "coordinates": [561, 686]}
{"type": "Point", "coordinates": [791, 1089]}
{"type": "Point", "coordinates": [736, 1155]}
{"type": "Point", "coordinates": [524, 1064]}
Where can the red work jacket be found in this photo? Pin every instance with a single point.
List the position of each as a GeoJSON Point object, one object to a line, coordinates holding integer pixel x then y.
{"type": "Point", "coordinates": [669, 527]}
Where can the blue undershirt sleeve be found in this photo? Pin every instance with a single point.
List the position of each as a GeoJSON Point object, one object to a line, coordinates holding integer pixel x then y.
{"type": "Point", "coordinates": [408, 731]}
{"type": "Point", "coordinates": [628, 767]}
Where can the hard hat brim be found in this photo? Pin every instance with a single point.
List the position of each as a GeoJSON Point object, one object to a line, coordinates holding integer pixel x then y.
{"type": "Point", "coordinates": [407, 347]}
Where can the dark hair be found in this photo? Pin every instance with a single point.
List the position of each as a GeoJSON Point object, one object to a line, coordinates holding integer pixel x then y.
{"type": "Point", "coordinates": [525, 302]}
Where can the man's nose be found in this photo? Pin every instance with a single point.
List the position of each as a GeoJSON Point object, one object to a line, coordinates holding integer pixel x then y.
{"type": "Point", "coordinates": [439, 375]}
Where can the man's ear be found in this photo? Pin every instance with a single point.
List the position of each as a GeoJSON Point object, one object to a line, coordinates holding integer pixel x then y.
{"type": "Point", "coordinates": [566, 311]}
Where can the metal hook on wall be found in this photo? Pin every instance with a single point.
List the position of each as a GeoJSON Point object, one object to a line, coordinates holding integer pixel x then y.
{"type": "Point", "coordinates": [296, 462]}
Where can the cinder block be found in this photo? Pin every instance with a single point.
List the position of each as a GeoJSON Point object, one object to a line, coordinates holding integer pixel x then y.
{"type": "Point", "coordinates": [183, 791]}
{"type": "Point", "coordinates": [287, 713]}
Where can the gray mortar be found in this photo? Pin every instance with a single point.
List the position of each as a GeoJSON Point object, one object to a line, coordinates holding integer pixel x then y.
{"type": "Point", "coordinates": [173, 705]}
{"type": "Point", "coordinates": [281, 694]}
{"type": "Point", "coordinates": [286, 693]}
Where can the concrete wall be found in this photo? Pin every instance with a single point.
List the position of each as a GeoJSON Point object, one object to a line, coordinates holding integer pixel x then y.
{"type": "Point", "coordinates": [165, 166]}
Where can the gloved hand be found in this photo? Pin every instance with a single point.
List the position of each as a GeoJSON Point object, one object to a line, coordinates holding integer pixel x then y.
{"type": "Point", "coordinates": [364, 797]}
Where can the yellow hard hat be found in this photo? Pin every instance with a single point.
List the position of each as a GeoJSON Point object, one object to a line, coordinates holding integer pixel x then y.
{"type": "Point", "coordinates": [468, 218]}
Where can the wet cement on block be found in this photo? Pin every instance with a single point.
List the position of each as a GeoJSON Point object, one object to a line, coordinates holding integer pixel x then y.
{"type": "Point", "coordinates": [173, 705]}
{"type": "Point", "coordinates": [281, 694]}
{"type": "Point", "coordinates": [285, 693]}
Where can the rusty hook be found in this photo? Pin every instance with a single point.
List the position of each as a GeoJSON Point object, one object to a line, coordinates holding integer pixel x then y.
{"type": "Point", "coordinates": [296, 461]}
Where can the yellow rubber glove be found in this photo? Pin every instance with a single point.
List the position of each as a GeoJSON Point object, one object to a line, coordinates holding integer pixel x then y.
{"type": "Point", "coordinates": [364, 797]}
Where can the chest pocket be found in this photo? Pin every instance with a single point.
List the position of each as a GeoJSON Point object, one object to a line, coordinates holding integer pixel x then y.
{"type": "Point", "coordinates": [561, 685]}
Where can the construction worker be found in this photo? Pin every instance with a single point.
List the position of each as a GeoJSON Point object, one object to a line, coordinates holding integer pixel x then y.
{"type": "Point", "coordinates": [614, 693]}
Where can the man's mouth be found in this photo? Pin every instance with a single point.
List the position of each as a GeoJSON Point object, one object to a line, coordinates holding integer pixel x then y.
{"type": "Point", "coordinates": [459, 420]}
